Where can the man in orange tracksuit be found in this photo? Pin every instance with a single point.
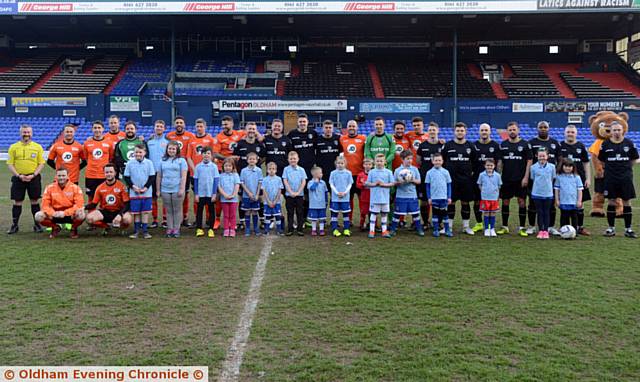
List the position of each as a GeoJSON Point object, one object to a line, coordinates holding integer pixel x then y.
{"type": "Point", "coordinates": [62, 203]}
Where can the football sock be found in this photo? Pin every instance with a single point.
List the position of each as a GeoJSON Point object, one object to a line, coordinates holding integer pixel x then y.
{"type": "Point", "coordinates": [581, 217]}
{"type": "Point", "coordinates": [505, 215]}
{"type": "Point", "coordinates": [15, 213]}
{"type": "Point", "coordinates": [334, 220]}
{"type": "Point", "coordinates": [255, 219]}
{"type": "Point", "coordinates": [383, 222]}
{"type": "Point", "coordinates": [424, 211]}
{"type": "Point", "coordinates": [346, 221]}
{"type": "Point", "coordinates": [372, 222]}
{"type": "Point", "coordinates": [522, 216]}
{"type": "Point", "coordinates": [34, 210]}
{"type": "Point", "coordinates": [451, 210]}
{"type": "Point", "coordinates": [611, 215]}
{"type": "Point", "coordinates": [465, 212]}
{"type": "Point", "coordinates": [476, 211]}
{"type": "Point", "coordinates": [626, 213]}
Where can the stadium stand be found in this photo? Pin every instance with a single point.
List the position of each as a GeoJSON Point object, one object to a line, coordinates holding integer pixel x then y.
{"type": "Point", "coordinates": [141, 71]}
{"type": "Point", "coordinates": [26, 72]}
{"type": "Point", "coordinates": [529, 81]}
{"type": "Point", "coordinates": [94, 75]}
{"type": "Point", "coordinates": [587, 88]}
{"type": "Point", "coordinates": [429, 80]}
{"type": "Point", "coordinates": [327, 79]}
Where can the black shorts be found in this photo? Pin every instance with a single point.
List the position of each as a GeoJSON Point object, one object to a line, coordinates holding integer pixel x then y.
{"type": "Point", "coordinates": [462, 190]}
{"type": "Point", "coordinates": [91, 184]}
{"type": "Point", "coordinates": [19, 188]}
{"type": "Point", "coordinates": [513, 190]}
{"type": "Point", "coordinates": [64, 220]}
{"type": "Point", "coordinates": [619, 188]}
{"type": "Point", "coordinates": [586, 195]}
{"type": "Point", "coordinates": [108, 216]}
{"type": "Point", "coordinates": [422, 192]}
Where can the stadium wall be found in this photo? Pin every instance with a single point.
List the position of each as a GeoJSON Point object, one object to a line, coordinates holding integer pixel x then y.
{"type": "Point", "coordinates": [472, 111]}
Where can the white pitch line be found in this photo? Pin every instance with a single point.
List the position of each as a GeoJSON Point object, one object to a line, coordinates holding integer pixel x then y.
{"type": "Point", "coordinates": [235, 352]}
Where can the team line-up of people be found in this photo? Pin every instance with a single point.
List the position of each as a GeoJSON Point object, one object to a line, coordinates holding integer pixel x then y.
{"type": "Point", "coordinates": [415, 172]}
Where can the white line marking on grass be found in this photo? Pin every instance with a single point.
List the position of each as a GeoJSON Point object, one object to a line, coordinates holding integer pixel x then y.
{"type": "Point", "coordinates": [235, 353]}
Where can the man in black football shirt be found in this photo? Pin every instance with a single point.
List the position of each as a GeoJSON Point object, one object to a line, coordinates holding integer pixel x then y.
{"type": "Point", "coordinates": [572, 149]}
{"type": "Point", "coordinates": [277, 146]}
{"type": "Point", "coordinates": [327, 150]}
{"type": "Point", "coordinates": [515, 163]}
{"type": "Point", "coordinates": [487, 149]}
{"type": "Point", "coordinates": [433, 145]}
{"type": "Point", "coordinates": [303, 140]}
{"type": "Point", "coordinates": [618, 154]}
{"type": "Point", "coordinates": [459, 157]}
{"type": "Point", "coordinates": [543, 140]}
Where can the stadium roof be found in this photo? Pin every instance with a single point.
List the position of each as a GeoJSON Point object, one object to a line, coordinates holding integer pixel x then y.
{"type": "Point", "coordinates": [368, 27]}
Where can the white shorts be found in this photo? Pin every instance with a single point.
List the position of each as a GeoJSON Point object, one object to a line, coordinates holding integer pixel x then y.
{"type": "Point", "coordinates": [379, 207]}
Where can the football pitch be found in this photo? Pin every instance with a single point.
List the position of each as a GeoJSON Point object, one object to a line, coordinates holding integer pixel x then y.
{"type": "Point", "coordinates": [329, 309]}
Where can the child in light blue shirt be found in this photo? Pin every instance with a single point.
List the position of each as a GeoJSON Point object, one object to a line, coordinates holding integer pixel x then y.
{"type": "Point", "coordinates": [406, 178]}
{"type": "Point", "coordinates": [340, 181]}
{"type": "Point", "coordinates": [438, 189]}
{"type": "Point", "coordinates": [543, 173]}
{"type": "Point", "coordinates": [489, 183]}
{"type": "Point", "coordinates": [318, 198]}
{"type": "Point", "coordinates": [379, 181]}
{"type": "Point", "coordinates": [568, 193]}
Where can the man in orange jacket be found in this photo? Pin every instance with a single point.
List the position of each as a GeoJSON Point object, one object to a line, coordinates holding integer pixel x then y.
{"type": "Point", "coordinates": [62, 203]}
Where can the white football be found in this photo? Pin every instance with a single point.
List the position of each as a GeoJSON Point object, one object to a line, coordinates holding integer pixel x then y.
{"type": "Point", "coordinates": [405, 175]}
{"type": "Point", "coordinates": [567, 232]}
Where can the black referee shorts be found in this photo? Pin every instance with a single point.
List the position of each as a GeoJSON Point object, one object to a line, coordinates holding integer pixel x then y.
{"type": "Point", "coordinates": [19, 188]}
{"type": "Point", "coordinates": [619, 188]}
{"type": "Point", "coordinates": [511, 190]}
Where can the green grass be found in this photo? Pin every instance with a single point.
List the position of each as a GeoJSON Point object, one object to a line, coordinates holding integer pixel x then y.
{"type": "Point", "coordinates": [405, 309]}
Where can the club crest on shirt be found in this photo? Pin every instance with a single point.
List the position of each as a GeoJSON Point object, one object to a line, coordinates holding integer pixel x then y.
{"type": "Point", "coordinates": [625, 149]}
{"type": "Point", "coordinates": [97, 153]}
{"type": "Point", "coordinates": [310, 136]}
{"type": "Point", "coordinates": [351, 149]}
{"type": "Point", "coordinates": [67, 157]}
{"type": "Point", "coordinates": [519, 148]}
{"type": "Point", "coordinates": [490, 149]}
{"type": "Point", "coordinates": [468, 150]}
{"type": "Point", "coordinates": [110, 199]}
{"type": "Point", "coordinates": [579, 151]}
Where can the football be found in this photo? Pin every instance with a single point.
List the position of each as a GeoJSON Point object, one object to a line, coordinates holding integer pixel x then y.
{"type": "Point", "coordinates": [567, 232]}
{"type": "Point", "coordinates": [405, 176]}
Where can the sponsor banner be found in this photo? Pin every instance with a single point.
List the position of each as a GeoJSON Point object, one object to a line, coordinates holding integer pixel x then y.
{"type": "Point", "coordinates": [565, 106]}
{"type": "Point", "coordinates": [120, 103]}
{"type": "Point", "coordinates": [274, 104]}
{"type": "Point", "coordinates": [583, 4]}
{"type": "Point", "coordinates": [604, 105]}
{"type": "Point", "coordinates": [49, 101]}
{"type": "Point", "coordinates": [394, 107]}
{"type": "Point", "coordinates": [105, 373]}
{"type": "Point", "coordinates": [631, 105]}
{"type": "Point", "coordinates": [494, 107]}
{"type": "Point", "coordinates": [8, 7]}
{"type": "Point", "coordinates": [174, 7]}
{"type": "Point", "coordinates": [277, 66]}
{"type": "Point", "coordinates": [3, 101]}
{"type": "Point", "coordinates": [523, 107]}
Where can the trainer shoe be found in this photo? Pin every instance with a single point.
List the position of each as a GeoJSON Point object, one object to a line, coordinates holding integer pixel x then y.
{"type": "Point", "coordinates": [211, 233]}
{"type": "Point", "coordinates": [449, 232]}
{"type": "Point", "coordinates": [74, 233]}
{"type": "Point", "coordinates": [289, 233]}
{"type": "Point", "coordinates": [540, 235]}
{"type": "Point", "coordinates": [37, 228]}
{"type": "Point", "coordinates": [199, 232]}
{"type": "Point", "coordinates": [372, 234]}
{"type": "Point", "coordinates": [493, 233]}
{"type": "Point", "coordinates": [435, 233]}
{"type": "Point", "coordinates": [630, 234]}
{"type": "Point", "coordinates": [216, 224]}
{"type": "Point", "coordinates": [147, 235]}
{"type": "Point", "coordinates": [54, 232]}
{"type": "Point", "coordinates": [164, 225]}
{"type": "Point", "coordinates": [523, 232]}
{"type": "Point", "coordinates": [553, 231]}
{"type": "Point", "coordinates": [133, 235]}
{"type": "Point", "coordinates": [477, 227]}
{"type": "Point", "coordinates": [346, 232]}
{"type": "Point", "coordinates": [583, 231]}
{"type": "Point", "coordinates": [420, 232]}
{"type": "Point", "coordinates": [336, 233]}
{"type": "Point", "coordinates": [155, 225]}
{"type": "Point", "coordinates": [443, 231]}
{"type": "Point", "coordinates": [225, 233]}
{"type": "Point", "coordinates": [610, 232]}
{"type": "Point", "coordinates": [314, 232]}
{"type": "Point", "coordinates": [232, 233]}
{"type": "Point", "coordinates": [14, 229]}
{"type": "Point", "coordinates": [468, 231]}
{"type": "Point", "coordinates": [503, 231]}
{"type": "Point", "coordinates": [531, 230]}
{"type": "Point", "coordinates": [322, 233]}
{"type": "Point", "coordinates": [546, 234]}
{"type": "Point", "coordinates": [487, 233]}
{"type": "Point", "coordinates": [392, 232]}
{"type": "Point", "coordinates": [247, 233]}
{"type": "Point", "coordinates": [386, 234]}
{"type": "Point", "coordinates": [300, 233]}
